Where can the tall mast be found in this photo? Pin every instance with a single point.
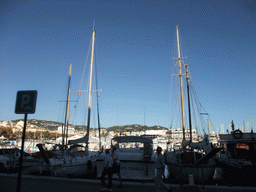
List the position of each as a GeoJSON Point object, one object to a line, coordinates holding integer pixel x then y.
{"type": "Point", "coordinates": [181, 84]}
{"type": "Point", "coordinates": [90, 89]}
{"type": "Point", "coordinates": [98, 110]}
{"type": "Point", "coordinates": [65, 133]}
{"type": "Point", "coordinates": [68, 101]}
{"type": "Point", "coordinates": [209, 132]}
{"type": "Point", "coordinates": [189, 113]}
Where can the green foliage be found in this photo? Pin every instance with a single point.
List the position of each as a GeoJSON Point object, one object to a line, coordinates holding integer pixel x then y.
{"type": "Point", "coordinates": [6, 132]}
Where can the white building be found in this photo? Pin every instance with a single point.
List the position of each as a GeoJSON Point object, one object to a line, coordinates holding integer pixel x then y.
{"type": "Point", "coordinates": [156, 132]}
{"type": "Point", "coordinates": [178, 134]}
{"type": "Point", "coordinates": [6, 124]}
{"type": "Point", "coordinates": [20, 124]}
{"type": "Point", "coordinates": [71, 130]}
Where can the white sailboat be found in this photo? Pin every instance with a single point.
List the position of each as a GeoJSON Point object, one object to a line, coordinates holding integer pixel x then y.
{"type": "Point", "coordinates": [194, 159]}
{"type": "Point", "coordinates": [87, 161]}
{"type": "Point", "coordinates": [73, 159]}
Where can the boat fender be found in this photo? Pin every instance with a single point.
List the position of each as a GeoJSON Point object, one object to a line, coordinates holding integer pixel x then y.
{"type": "Point", "coordinates": [237, 134]}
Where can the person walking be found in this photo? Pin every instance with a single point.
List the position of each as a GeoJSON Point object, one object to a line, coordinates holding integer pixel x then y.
{"type": "Point", "coordinates": [160, 166]}
{"type": "Point", "coordinates": [116, 164]}
{"type": "Point", "coordinates": [107, 170]}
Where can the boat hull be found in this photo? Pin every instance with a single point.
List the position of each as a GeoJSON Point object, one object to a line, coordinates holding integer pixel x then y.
{"type": "Point", "coordinates": [200, 173]}
{"type": "Point", "coordinates": [241, 176]}
{"type": "Point", "coordinates": [133, 169]}
{"type": "Point", "coordinates": [74, 170]}
{"type": "Point", "coordinates": [69, 169]}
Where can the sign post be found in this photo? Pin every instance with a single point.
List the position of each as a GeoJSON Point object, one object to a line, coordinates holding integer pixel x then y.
{"type": "Point", "coordinates": [25, 104]}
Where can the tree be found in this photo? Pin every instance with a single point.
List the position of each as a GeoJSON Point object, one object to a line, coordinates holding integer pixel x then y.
{"type": "Point", "coordinates": [37, 134]}
{"type": "Point", "coordinates": [29, 135]}
{"type": "Point", "coordinates": [104, 134]}
{"type": "Point", "coordinates": [46, 134]}
{"type": "Point", "coordinates": [7, 132]}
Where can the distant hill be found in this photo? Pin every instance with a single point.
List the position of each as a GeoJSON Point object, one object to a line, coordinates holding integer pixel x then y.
{"type": "Point", "coordinates": [53, 125]}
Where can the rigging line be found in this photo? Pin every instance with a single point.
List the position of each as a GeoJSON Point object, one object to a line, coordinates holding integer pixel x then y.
{"type": "Point", "coordinates": [73, 116]}
{"type": "Point", "coordinates": [199, 106]}
{"type": "Point", "coordinates": [177, 101]}
{"type": "Point", "coordinates": [87, 88]}
{"type": "Point", "coordinates": [197, 98]}
{"type": "Point", "coordinates": [193, 98]}
{"type": "Point", "coordinates": [88, 53]}
{"type": "Point", "coordinates": [81, 81]}
{"type": "Point", "coordinates": [97, 95]}
{"type": "Point", "coordinates": [60, 110]}
{"type": "Point", "coordinates": [181, 45]}
{"type": "Point", "coordinates": [61, 115]}
{"type": "Point", "coordinates": [212, 127]}
{"type": "Point", "coordinates": [173, 87]}
{"type": "Point", "coordinates": [193, 114]}
{"type": "Point", "coordinates": [198, 110]}
{"type": "Point", "coordinates": [177, 116]}
{"type": "Point", "coordinates": [85, 113]}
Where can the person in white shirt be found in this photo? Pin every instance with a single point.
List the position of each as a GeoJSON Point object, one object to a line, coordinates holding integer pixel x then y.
{"type": "Point", "coordinates": [116, 164]}
{"type": "Point", "coordinates": [160, 166]}
{"type": "Point", "coordinates": [107, 170]}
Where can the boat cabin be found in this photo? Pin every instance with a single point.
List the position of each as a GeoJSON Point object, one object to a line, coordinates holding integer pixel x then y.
{"type": "Point", "coordinates": [242, 147]}
{"type": "Point", "coordinates": [139, 148]}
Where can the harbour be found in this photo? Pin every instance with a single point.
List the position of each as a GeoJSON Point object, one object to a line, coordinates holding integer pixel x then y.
{"type": "Point", "coordinates": [160, 98]}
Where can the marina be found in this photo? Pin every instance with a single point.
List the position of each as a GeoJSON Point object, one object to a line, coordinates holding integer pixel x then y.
{"type": "Point", "coordinates": [162, 95]}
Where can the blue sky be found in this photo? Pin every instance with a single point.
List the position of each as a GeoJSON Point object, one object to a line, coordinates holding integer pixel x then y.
{"type": "Point", "coordinates": [135, 44]}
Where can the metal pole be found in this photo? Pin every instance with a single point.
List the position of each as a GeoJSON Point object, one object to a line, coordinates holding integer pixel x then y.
{"type": "Point", "coordinates": [21, 154]}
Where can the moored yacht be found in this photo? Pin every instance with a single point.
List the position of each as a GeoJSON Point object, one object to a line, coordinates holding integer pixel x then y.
{"type": "Point", "coordinates": [237, 160]}
{"type": "Point", "coordinates": [194, 159]}
{"type": "Point", "coordinates": [136, 157]}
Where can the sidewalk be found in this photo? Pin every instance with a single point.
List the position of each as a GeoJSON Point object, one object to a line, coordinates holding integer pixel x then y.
{"type": "Point", "coordinates": [8, 183]}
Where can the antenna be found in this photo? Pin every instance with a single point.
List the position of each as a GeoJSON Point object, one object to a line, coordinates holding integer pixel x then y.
{"type": "Point", "coordinates": [93, 24]}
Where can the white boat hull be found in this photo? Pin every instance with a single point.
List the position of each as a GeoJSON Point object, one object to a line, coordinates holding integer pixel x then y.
{"type": "Point", "coordinates": [133, 170]}
{"type": "Point", "coordinates": [72, 169]}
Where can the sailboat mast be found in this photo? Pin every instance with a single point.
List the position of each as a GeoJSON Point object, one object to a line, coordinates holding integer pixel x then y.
{"type": "Point", "coordinates": [67, 108]}
{"type": "Point", "coordinates": [90, 89]}
{"type": "Point", "coordinates": [181, 84]}
{"type": "Point", "coordinates": [68, 104]}
{"type": "Point", "coordinates": [209, 132]}
{"type": "Point", "coordinates": [98, 110]}
{"type": "Point", "coordinates": [189, 113]}
{"type": "Point", "coordinates": [65, 133]}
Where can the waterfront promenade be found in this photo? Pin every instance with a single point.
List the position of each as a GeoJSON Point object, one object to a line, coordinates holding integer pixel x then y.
{"type": "Point", "coordinates": [8, 183]}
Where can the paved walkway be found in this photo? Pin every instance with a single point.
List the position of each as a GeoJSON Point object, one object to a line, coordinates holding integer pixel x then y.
{"type": "Point", "coordinates": [8, 183]}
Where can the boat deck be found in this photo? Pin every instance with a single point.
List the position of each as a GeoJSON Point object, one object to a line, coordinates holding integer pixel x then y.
{"type": "Point", "coordinates": [8, 183]}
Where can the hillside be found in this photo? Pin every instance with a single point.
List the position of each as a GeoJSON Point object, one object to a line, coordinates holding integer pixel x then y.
{"type": "Point", "coordinates": [53, 125]}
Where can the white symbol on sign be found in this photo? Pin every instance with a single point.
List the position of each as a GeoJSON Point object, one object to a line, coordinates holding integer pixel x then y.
{"type": "Point", "coordinates": [25, 100]}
